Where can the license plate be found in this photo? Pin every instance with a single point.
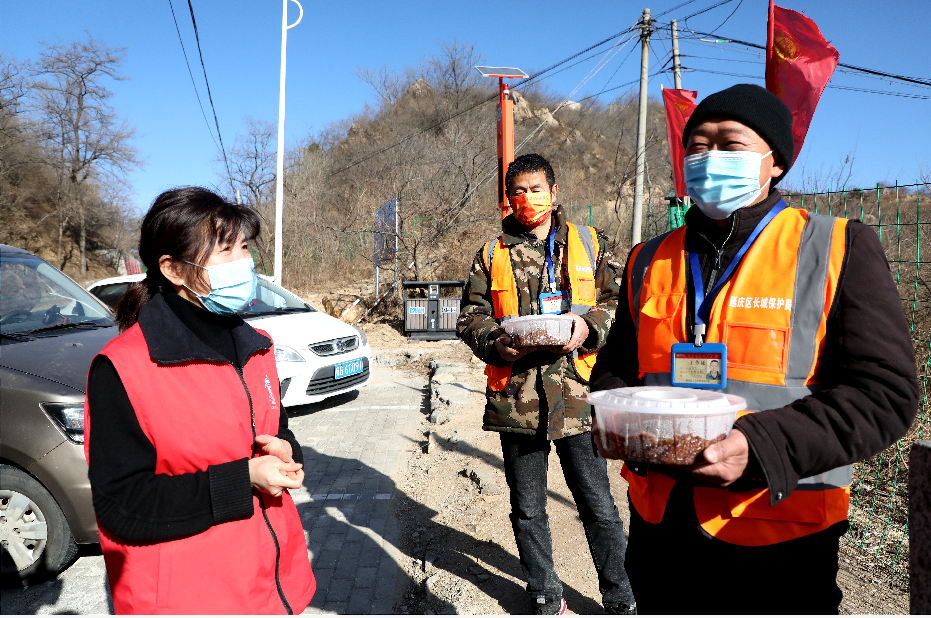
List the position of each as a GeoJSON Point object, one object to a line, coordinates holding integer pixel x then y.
{"type": "Point", "coordinates": [350, 368]}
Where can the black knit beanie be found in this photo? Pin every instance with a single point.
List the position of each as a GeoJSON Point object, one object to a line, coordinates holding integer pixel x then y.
{"type": "Point", "coordinates": [754, 106]}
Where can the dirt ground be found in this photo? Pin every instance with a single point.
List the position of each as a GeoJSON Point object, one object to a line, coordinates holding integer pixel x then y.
{"type": "Point", "coordinates": [457, 541]}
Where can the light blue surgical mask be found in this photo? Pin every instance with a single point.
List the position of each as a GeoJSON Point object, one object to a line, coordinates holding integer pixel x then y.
{"type": "Point", "coordinates": [232, 286]}
{"type": "Point", "coordinates": [723, 181]}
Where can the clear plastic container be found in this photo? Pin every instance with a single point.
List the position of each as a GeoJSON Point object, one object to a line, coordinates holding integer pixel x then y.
{"type": "Point", "coordinates": [661, 424]}
{"type": "Point", "coordinates": [537, 330]}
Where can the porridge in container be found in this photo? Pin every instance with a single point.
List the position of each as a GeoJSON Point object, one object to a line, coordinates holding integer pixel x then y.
{"type": "Point", "coordinates": [661, 424]}
{"type": "Point", "coordinates": [536, 330]}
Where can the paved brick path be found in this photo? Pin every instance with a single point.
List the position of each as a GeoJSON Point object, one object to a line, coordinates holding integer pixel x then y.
{"type": "Point", "coordinates": [352, 447]}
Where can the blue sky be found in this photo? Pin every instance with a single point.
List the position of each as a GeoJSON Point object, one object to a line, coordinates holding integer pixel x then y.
{"type": "Point", "coordinates": [241, 46]}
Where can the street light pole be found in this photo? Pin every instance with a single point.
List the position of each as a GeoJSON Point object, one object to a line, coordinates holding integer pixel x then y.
{"type": "Point", "coordinates": [279, 172]}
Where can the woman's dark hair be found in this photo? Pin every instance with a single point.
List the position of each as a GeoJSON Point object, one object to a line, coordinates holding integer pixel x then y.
{"type": "Point", "coordinates": [185, 223]}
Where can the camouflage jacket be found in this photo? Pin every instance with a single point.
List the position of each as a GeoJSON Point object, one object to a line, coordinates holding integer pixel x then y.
{"type": "Point", "coordinates": [544, 392]}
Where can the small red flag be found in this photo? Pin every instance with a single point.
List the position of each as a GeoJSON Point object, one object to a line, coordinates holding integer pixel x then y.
{"type": "Point", "coordinates": [131, 266]}
{"type": "Point", "coordinates": [679, 106]}
{"type": "Point", "coordinates": [799, 64]}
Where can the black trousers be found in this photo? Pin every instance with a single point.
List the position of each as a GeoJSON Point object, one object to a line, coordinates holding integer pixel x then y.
{"type": "Point", "coordinates": [526, 461]}
{"type": "Point", "coordinates": [677, 568]}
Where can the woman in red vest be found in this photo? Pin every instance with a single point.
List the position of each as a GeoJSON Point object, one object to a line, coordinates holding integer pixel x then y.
{"type": "Point", "coordinates": [188, 446]}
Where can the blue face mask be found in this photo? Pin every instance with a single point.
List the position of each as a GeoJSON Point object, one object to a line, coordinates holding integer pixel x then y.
{"type": "Point", "coordinates": [722, 181]}
{"type": "Point", "coordinates": [232, 286]}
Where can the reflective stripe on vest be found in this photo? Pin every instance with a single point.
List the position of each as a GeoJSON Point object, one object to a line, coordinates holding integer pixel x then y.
{"type": "Point", "coordinates": [773, 358]}
{"type": "Point", "coordinates": [581, 253]}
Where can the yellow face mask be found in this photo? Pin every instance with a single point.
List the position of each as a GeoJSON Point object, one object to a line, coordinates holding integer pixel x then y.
{"type": "Point", "coordinates": [532, 208]}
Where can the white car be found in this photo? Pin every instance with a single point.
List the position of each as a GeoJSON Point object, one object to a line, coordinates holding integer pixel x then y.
{"type": "Point", "coordinates": [318, 356]}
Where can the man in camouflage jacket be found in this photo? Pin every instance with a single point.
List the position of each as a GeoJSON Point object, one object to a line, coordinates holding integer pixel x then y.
{"type": "Point", "coordinates": [544, 399]}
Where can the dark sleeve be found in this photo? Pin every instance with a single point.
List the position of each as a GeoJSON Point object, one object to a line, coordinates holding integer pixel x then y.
{"type": "Point", "coordinates": [132, 501]}
{"type": "Point", "coordinates": [616, 365]}
{"type": "Point", "coordinates": [476, 325]}
{"type": "Point", "coordinates": [869, 367]}
{"type": "Point", "coordinates": [286, 434]}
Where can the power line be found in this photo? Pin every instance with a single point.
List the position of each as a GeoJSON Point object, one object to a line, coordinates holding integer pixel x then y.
{"type": "Point", "coordinates": [912, 80]}
{"type": "Point", "coordinates": [524, 82]}
{"type": "Point", "coordinates": [678, 6]}
{"type": "Point", "coordinates": [713, 6]}
{"type": "Point", "coordinates": [229, 172]}
{"type": "Point", "coordinates": [906, 95]}
{"type": "Point", "coordinates": [191, 73]}
{"type": "Point", "coordinates": [729, 16]}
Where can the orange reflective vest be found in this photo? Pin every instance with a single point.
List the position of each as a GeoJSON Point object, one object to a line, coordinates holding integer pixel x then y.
{"type": "Point", "coordinates": [772, 314]}
{"type": "Point", "coordinates": [581, 255]}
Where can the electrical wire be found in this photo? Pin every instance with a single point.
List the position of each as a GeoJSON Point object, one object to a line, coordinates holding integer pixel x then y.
{"type": "Point", "coordinates": [729, 16]}
{"type": "Point", "coordinates": [191, 73]}
{"type": "Point", "coordinates": [229, 171]}
{"type": "Point", "coordinates": [713, 6]}
{"type": "Point", "coordinates": [524, 82]}
{"type": "Point", "coordinates": [902, 78]}
{"type": "Point", "coordinates": [678, 6]}
{"type": "Point", "coordinates": [906, 95]}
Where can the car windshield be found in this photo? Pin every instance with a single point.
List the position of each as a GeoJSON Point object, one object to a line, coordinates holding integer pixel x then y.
{"type": "Point", "coordinates": [272, 299]}
{"type": "Point", "coordinates": [35, 296]}
{"type": "Point", "coordinates": [110, 293]}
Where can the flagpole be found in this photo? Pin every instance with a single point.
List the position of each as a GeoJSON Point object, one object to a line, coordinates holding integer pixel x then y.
{"type": "Point", "coordinates": [279, 170]}
{"type": "Point", "coordinates": [770, 44]}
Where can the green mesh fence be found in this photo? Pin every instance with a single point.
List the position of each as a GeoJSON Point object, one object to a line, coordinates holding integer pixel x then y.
{"type": "Point", "coordinates": [879, 494]}
{"type": "Point", "coordinates": [901, 216]}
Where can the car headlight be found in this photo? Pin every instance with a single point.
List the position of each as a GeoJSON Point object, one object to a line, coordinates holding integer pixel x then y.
{"type": "Point", "coordinates": [363, 340]}
{"type": "Point", "coordinates": [69, 417]}
{"type": "Point", "coordinates": [284, 354]}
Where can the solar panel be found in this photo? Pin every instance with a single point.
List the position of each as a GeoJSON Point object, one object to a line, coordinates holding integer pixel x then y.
{"type": "Point", "coordinates": [501, 72]}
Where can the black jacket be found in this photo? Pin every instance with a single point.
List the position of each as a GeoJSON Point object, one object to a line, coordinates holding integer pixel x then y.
{"type": "Point", "coordinates": [159, 505]}
{"type": "Point", "coordinates": [868, 370]}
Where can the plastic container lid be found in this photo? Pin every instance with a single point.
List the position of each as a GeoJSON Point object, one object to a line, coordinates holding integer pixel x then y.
{"type": "Point", "coordinates": [667, 400]}
{"type": "Point", "coordinates": [546, 317]}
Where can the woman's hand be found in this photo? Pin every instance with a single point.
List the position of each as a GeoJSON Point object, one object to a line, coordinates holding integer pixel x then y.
{"type": "Point", "coordinates": [281, 449]}
{"type": "Point", "coordinates": [271, 475]}
{"type": "Point", "coordinates": [271, 445]}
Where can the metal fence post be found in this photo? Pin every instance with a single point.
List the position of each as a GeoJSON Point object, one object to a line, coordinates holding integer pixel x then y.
{"type": "Point", "coordinates": [919, 520]}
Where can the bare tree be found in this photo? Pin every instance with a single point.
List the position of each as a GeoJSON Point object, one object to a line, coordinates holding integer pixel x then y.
{"type": "Point", "coordinates": [252, 165]}
{"type": "Point", "coordinates": [86, 138]}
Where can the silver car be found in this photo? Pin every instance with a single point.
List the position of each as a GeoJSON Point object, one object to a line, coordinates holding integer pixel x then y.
{"type": "Point", "coordinates": [50, 330]}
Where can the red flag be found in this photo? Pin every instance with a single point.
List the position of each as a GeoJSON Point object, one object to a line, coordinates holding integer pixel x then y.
{"type": "Point", "coordinates": [679, 106]}
{"type": "Point", "coordinates": [131, 266]}
{"type": "Point", "coordinates": [799, 64]}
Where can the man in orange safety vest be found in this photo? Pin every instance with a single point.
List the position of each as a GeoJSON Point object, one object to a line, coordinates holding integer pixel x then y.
{"type": "Point", "coordinates": [808, 314]}
{"type": "Point", "coordinates": [543, 264]}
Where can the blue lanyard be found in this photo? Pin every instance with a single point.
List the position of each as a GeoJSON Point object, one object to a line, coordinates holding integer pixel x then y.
{"type": "Point", "coordinates": [703, 304]}
{"type": "Point", "coordinates": [549, 259]}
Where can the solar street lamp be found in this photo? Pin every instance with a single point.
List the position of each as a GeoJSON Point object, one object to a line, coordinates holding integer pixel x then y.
{"type": "Point", "coordinates": [279, 170]}
{"type": "Point", "coordinates": [505, 126]}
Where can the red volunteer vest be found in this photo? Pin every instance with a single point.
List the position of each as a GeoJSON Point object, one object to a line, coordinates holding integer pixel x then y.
{"type": "Point", "coordinates": [197, 414]}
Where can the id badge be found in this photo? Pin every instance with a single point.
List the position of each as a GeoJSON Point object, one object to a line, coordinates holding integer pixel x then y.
{"type": "Point", "coordinates": [554, 302]}
{"type": "Point", "coordinates": [699, 367]}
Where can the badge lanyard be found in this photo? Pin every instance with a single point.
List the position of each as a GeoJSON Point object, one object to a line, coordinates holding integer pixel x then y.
{"type": "Point", "coordinates": [549, 260]}
{"type": "Point", "coordinates": [704, 365]}
{"type": "Point", "coordinates": [553, 302]}
{"type": "Point", "coordinates": [704, 303]}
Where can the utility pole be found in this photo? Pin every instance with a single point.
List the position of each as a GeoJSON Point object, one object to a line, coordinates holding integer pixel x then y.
{"type": "Point", "coordinates": [646, 27]}
{"type": "Point", "coordinates": [676, 69]}
{"type": "Point", "coordinates": [279, 174]}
